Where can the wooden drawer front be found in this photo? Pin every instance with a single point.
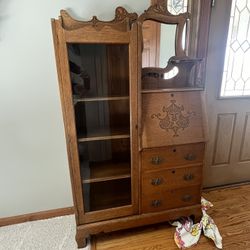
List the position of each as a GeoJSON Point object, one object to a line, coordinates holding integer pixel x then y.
{"type": "Point", "coordinates": [170, 179]}
{"type": "Point", "coordinates": [171, 118]}
{"type": "Point", "coordinates": [160, 158]}
{"type": "Point", "coordinates": [169, 199]}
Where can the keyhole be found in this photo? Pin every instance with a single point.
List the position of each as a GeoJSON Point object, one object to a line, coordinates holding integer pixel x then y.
{"type": "Point", "coordinates": [172, 95]}
{"type": "Point", "coordinates": [173, 172]}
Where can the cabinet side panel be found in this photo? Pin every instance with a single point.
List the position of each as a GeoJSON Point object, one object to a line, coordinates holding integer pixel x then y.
{"type": "Point", "coordinates": [134, 117]}
{"type": "Point", "coordinates": [68, 115]}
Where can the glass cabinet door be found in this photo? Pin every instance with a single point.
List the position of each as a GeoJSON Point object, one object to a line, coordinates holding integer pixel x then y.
{"type": "Point", "coordinates": [100, 87]}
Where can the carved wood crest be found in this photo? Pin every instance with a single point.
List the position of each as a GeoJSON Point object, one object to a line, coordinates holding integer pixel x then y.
{"type": "Point", "coordinates": [122, 21]}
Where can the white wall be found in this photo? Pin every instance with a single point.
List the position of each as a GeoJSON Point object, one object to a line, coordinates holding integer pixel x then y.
{"type": "Point", "coordinates": [34, 172]}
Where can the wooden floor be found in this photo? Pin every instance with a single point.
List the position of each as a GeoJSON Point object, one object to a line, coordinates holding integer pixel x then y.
{"type": "Point", "coordinates": [231, 213]}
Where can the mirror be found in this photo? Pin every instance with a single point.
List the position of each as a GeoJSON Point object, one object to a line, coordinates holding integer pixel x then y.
{"type": "Point", "coordinates": [158, 43]}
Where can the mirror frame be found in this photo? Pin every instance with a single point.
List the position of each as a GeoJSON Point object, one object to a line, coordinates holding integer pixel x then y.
{"type": "Point", "coordinates": [159, 13]}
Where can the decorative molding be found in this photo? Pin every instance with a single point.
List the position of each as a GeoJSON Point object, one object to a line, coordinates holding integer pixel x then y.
{"type": "Point", "coordinates": [36, 216]}
{"type": "Point", "coordinates": [160, 8]}
{"type": "Point", "coordinates": [174, 118]}
{"type": "Point", "coordinates": [122, 21]}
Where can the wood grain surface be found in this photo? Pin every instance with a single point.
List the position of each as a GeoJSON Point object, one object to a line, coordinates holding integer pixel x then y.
{"type": "Point", "coordinates": [231, 213]}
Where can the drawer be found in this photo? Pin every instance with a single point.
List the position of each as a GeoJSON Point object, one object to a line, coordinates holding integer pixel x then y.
{"type": "Point", "coordinates": [169, 199]}
{"type": "Point", "coordinates": [171, 156]}
{"type": "Point", "coordinates": [170, 179]}
{"type": "Point", "coordinates": [172, 118]}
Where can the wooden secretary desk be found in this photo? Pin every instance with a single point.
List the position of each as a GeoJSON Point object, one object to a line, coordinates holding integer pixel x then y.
{"type": "Point", "coordinates": [135, 131]}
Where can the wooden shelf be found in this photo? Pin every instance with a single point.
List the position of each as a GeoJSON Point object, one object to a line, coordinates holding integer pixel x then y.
{"type": "Point", "coordinates": [146, 91]}
{"type": "Point", "coordinates": [97, 99]}
{"type": "Point", "coordinates": [178, 60]}
{"type": "Point", "coordinates": [105, 195]}
{"type": "Point", "coordinates": [104, 134]}
{"type": "Point", "coordinates": [104, 171]}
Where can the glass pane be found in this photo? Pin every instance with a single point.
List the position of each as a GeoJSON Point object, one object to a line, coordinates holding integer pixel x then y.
{"type": "Point", "coordinates": [100, 85]}
{"type": "Point", "coordinates": [236, 74]}
{"type": "Point", "coordinates": [104, 160]}
{"type": "Point", "coordinates": [99, 70]}
{"type": "Point", "coordinates": [177, 7]}
{"type": "Point", "coordinates": [104, 195]}
{"type": "Point", "coordinates": [158, 43]}
{"type": "Point", "coordinates": [102, 118]}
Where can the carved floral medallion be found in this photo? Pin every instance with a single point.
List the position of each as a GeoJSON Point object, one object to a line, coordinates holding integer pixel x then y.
{"type": "Point", "coordinates": [175, 118]}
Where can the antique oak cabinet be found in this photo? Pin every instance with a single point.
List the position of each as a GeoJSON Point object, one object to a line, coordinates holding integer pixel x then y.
{"type": "Point", "coordinates": [133, 115]}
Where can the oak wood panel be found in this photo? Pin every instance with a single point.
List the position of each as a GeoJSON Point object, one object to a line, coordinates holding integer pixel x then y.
{"type": "Point", "coordinates": [133, 105]}
{"type": "Point", "coordinates": [171, 119]}
{"type": "Point", "coordinates": [153, 182]}
{"type": "Point", "coordinates": [223, 138]}
{"type": "Point", "coordinates": [171, 156]}
{"type": "Point", "coordinates": [68, 116]}
{"type": "Point", "coordinates": [230, 212]}
{"type": "Point", "coordinates": [85, 230]}
{"type": "Point", "coordinates": [96, 37]}
{"type": "Point", "coordinates": [164, 199]}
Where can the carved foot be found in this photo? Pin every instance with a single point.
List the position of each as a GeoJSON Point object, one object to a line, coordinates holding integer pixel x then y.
{"type": "Point", "coordinates": [81, 242]}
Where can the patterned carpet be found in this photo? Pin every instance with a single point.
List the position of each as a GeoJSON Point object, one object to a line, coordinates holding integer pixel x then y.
{"type": "Point", "coordinates": [52, 234]}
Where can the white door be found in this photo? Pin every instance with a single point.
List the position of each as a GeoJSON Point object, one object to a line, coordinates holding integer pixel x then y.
{"type": "Point", "coordinates": [228, 148]}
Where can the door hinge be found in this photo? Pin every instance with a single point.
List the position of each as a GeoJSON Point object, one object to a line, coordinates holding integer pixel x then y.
{"type": "Point", "coordinates": [213, 3]}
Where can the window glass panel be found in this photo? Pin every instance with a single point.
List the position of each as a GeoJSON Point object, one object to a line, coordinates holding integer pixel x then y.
{"type": "Point", "coordinates": [177, 7]}
{"type": "Point", "coordinates": [236, 74]}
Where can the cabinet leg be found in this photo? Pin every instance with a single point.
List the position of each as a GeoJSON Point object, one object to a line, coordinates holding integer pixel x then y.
{"type": "Point", "coordinates": [81, 241]}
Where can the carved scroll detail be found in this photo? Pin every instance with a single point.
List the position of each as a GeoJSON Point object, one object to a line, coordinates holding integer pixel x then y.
{"type": "Point", "coordinates": [174, 119]}
{"type": "Point", "coordinates": [122, 21]}
{"type": "Point", "coordinates": [159, 8]}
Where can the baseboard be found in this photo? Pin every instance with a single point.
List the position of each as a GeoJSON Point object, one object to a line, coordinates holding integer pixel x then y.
{"type": "Point", "coordinates": [36, 216]}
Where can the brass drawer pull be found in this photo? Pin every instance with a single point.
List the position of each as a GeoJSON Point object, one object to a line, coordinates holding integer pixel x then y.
{"type": "Point", "coordinates": [188, 177]}
{"type": "Point", "coordinates": [187, 198]}
{"type": "Point", "coordinates": [156, 203]}
{"type": "Point", "coordinates": [157, 160]}
{"type": "Point", "coordinates": [156, 181]}
{"type": "Point", "coordinates": [190, 157]}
